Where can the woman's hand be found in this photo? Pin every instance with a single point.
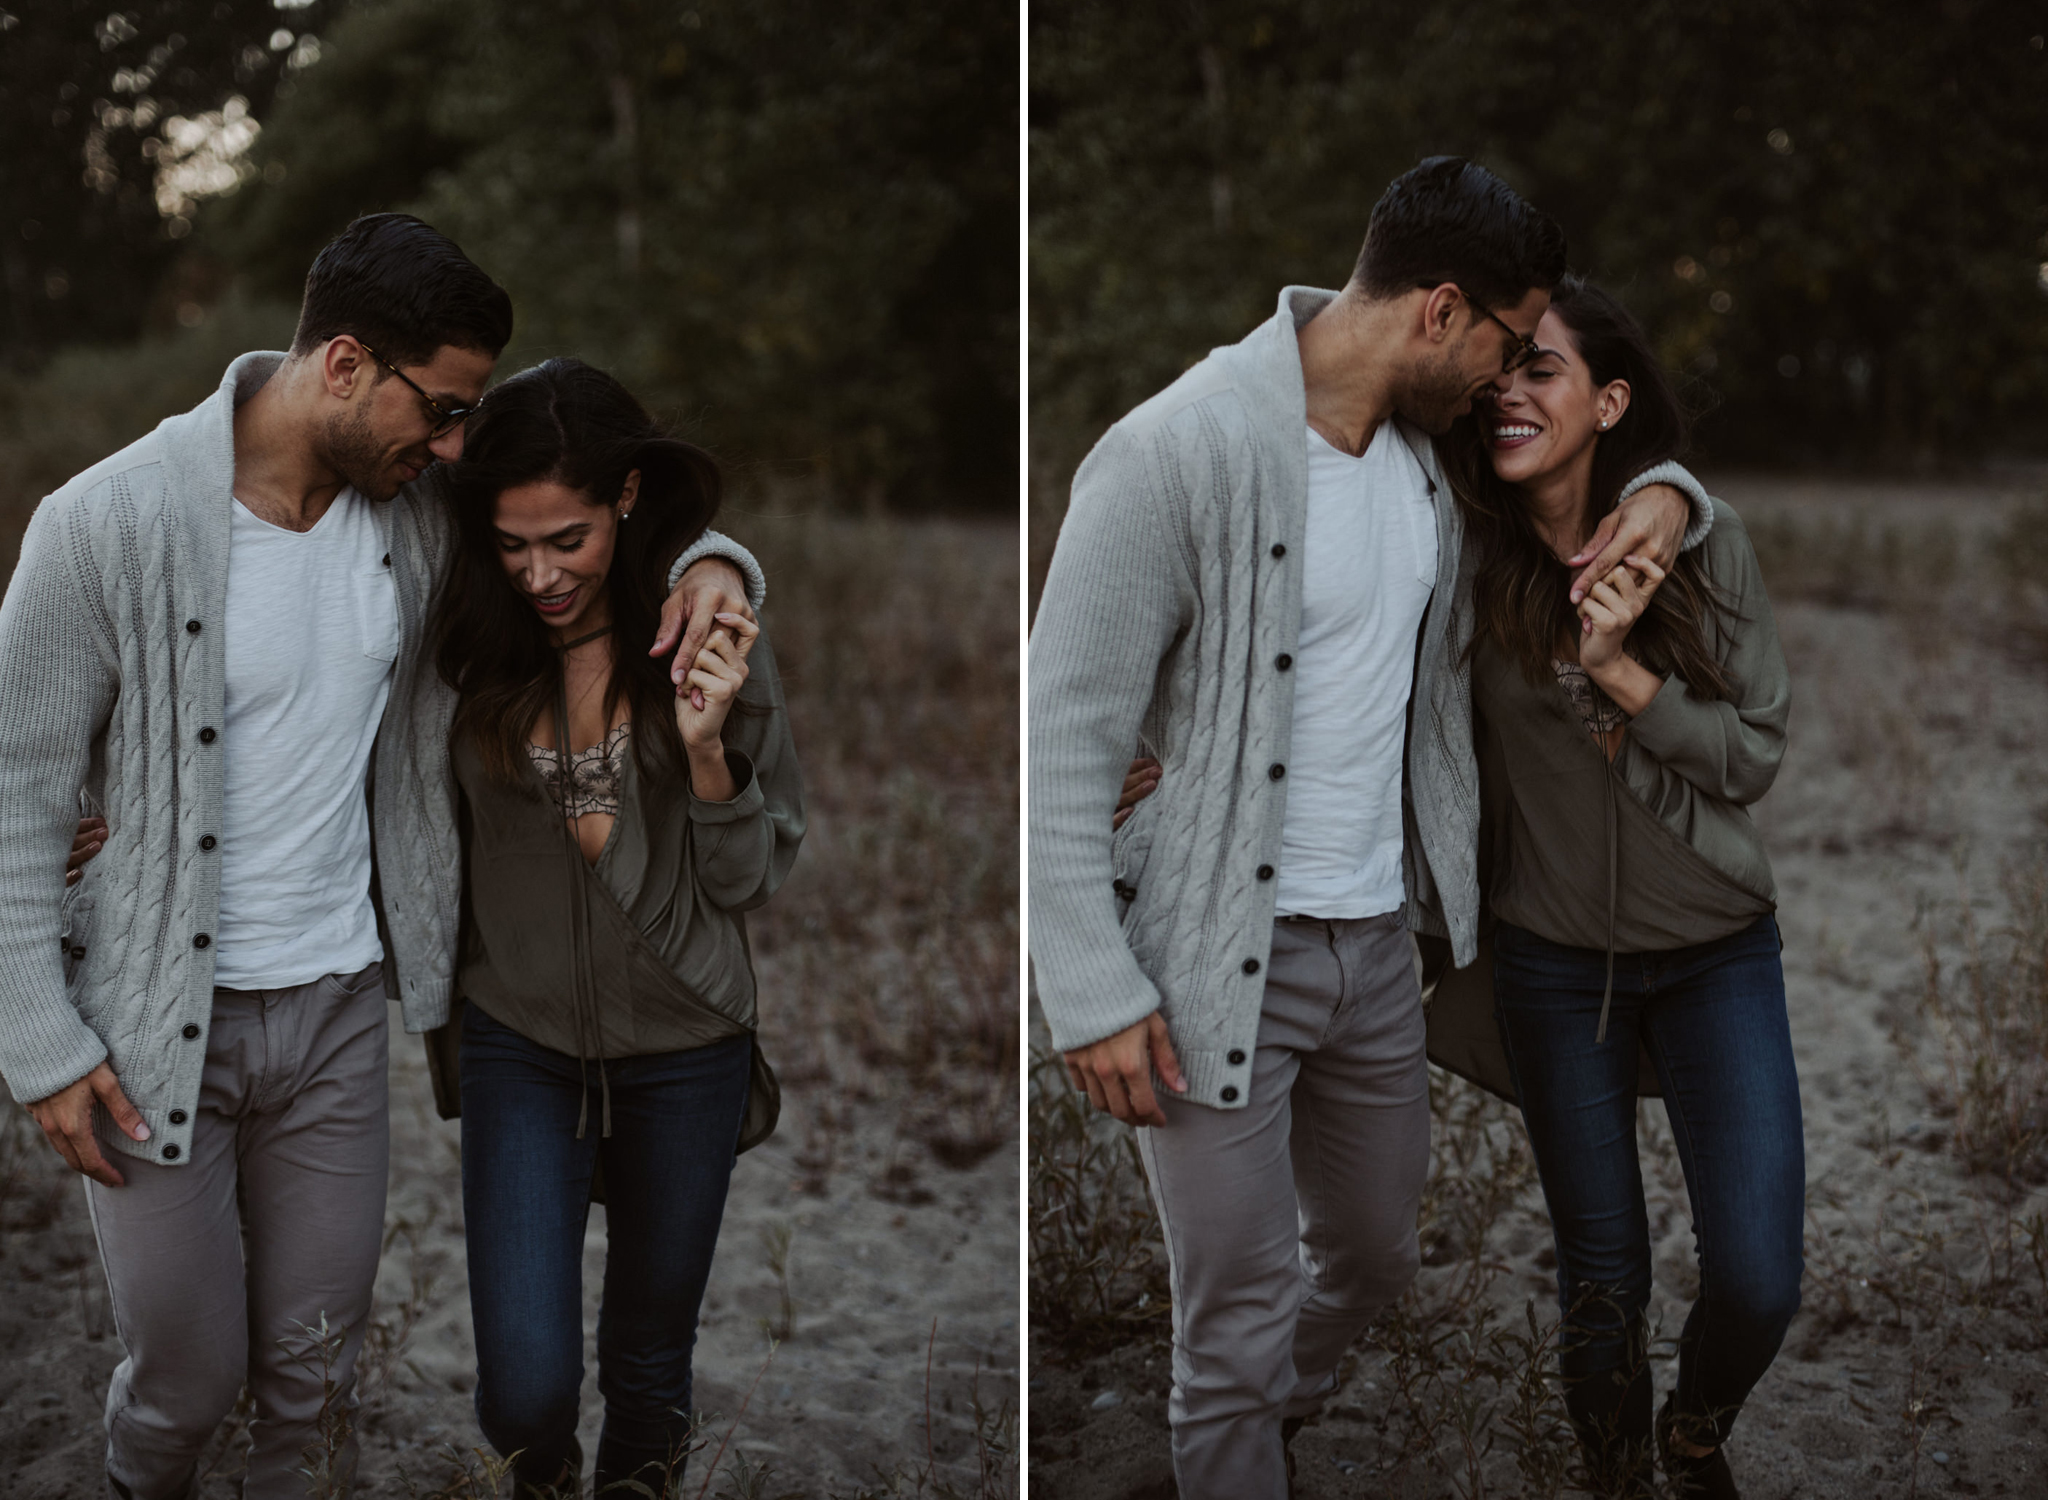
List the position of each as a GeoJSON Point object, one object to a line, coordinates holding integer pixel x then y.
{"type": "Point", "coordinates": [705, 698]}
{"type": "Point", "coordinates": [1606, 616]}
{"type": "Point", "coordinates": [90, 838]}
{"type": "Point", "coordinates": [1611, 609]}
{"type": "Point", "coordinates": [1140, 782]}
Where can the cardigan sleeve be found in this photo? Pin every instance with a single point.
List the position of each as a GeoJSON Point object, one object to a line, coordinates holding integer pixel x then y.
{"type": "Point", "coordinates": [1728, 749]}
{"type": "Point", "coordinates": [57, 687]}
{"type": "Point", "coordinates": [1111, 611]}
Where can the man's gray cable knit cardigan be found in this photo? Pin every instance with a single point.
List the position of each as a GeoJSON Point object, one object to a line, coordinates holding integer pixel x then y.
{"type": "Point", "coordinates": [1170, 615]}
{"type": "Point", "coordinates": [112, 681]}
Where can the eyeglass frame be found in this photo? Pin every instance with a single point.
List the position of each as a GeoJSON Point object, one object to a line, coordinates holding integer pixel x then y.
{"type": "Point", "coordinates": [1525, 347]}
{"type": "Point", "coordinates": [450, 420]}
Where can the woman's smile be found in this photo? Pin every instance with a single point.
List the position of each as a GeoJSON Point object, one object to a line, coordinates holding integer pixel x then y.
{"type": "Point", "coordinates": [1512, 433]}
{"type": "Point", "coordinates": [554, 606]}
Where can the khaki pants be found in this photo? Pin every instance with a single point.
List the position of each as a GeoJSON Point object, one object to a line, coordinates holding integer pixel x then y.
{"type": "Point", "coordinates": [215, 1268]}
{"type": "Point", "coordinates": [1291, 1222]}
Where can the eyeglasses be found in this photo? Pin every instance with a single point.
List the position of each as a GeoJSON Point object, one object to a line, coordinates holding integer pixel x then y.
{"type": "Point", "coordinates": [1521, 351]}
{"type": "Point", "coordinates": [444, 421]}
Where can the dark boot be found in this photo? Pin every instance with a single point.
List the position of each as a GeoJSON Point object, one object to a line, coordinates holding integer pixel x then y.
{"type": "Point", "coordinates": [1610, 1412]}
{"type": "Point", "coordinates": [1703, 1478]}
{"type": "Point", "coordinates": [1288, 1428]}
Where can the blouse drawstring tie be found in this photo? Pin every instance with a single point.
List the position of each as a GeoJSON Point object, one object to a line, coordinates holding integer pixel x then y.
{"type": "Point", "coordinates": [589, 1025]}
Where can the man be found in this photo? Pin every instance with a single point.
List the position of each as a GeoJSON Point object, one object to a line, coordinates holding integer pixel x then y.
{"type": "Point", "coordinates": [216, 633]}
{"type": "Point", "coordinates": [1256, 576]}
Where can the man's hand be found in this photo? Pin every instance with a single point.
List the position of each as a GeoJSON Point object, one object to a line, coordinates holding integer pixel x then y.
{"type": "Point", "coordinates": [1116, 1072]}
{"type": "Point", "coordinates": [88, 841]}
{"type": "Point", "coordinates": [66, 1118]}
{"type": "Point", "coordinates": [711, 587]}
{"type": "Point", "coordinates": [1140, 782]}
{"type": "Point", "coordinates": [1650, 523]}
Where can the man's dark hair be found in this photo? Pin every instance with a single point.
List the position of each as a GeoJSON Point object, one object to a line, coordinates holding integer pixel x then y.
{"type": "Point", "coordinates": [1449, 220]}
{"type": "Point", "coordinates": [403, 288]}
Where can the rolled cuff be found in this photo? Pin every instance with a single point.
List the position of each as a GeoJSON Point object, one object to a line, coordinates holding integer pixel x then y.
{"type": "Point", "coordinates": [744, 803]}
{"type": "Point", "coordinates": [717, 544]}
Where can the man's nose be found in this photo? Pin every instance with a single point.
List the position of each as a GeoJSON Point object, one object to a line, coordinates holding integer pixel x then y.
{"type": "Point", "coordinates": [448, 446]}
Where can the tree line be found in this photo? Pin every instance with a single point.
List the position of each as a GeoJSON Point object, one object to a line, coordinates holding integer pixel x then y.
{"type": "Point", "coordinates": [790, 223]}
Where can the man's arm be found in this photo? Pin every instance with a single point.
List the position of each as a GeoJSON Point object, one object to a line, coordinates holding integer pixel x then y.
{"type": "Point", "coordinates": [1663, 511]}
{"type": "Point", "coordinates": [56, 689]}
{"type": "Point", "coordinates": [715, 575]}
{"type": "Point", "coordinates": [1112, 607]}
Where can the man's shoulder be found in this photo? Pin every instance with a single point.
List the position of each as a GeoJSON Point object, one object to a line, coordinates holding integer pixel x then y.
{"type": "Point", "coordinates": [135, 473]}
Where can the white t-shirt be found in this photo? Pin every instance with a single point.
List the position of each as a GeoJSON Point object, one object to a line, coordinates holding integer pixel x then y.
{"type": "Point", "coordinates": [1368, 567]}
{"type": "Point", "coordinates": [312, 632]}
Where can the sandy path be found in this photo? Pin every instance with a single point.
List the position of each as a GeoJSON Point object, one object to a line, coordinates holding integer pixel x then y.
{"type": "Point", "coordinates": [843, 1399]}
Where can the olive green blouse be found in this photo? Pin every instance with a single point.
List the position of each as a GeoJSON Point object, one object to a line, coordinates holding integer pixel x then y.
{"type": "Point", "coordinates": [645, 950]}
{"type": "Point", "coordinates": [1657, 849]}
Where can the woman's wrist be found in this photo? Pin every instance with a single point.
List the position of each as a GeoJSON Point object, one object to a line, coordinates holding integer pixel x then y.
{"type": "Point", "coordinates": [710, 776]}
{"type": "Point", "coordinates": [1628, 682]}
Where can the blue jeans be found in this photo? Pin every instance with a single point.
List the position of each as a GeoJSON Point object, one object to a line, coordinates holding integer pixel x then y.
{"type": "Point", "coordinates": [1712, 1017]}
{"type": "Point", "coordinates": [525, 1200]}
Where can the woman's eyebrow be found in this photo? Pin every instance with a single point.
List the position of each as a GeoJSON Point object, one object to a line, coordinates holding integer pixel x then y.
{"type": "Point", "coordinates": [1541, 352]}
{"type": "Point", "coordinates": [572, 529]}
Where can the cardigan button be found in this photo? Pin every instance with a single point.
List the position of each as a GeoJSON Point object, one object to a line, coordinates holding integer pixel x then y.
{"type": "Point", "coordinates": [1237, 1057]}
{"type": "Point", "coordinates": [207, 841]}
{"type": "Point", "coordinates": [1229, 1097]}
{"type": "Point", "coordinates": [78, 953]}
{"type": "Point", "coordinates": [1283, 661]}
{"type": "Point", "coordinates": [1276, 770]}
{"type": "Point", "coordinates": [387, 559]}
{"type": "Point", "coordinates": [1265, 872]}
{"type": "Point", "coordinates": [177, 1117]}
{"type": "Point", "coordinates": [201, 940]}
{"type": "Point", "coordinates": [171, 1152]}
{"type": "Point", "coordinates": [191, 627]}
{"type": "Point", "coordinates": [1279, 549]}
{"type": "Point", "coordinates": [1251, 966]}
{"type": "Point", "coordinates": [207, 736]}
{"type": "Point", "coordinates": [190, 1031]}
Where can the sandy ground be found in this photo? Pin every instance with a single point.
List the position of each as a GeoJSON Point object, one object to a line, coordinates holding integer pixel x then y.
{"type": "Point", "coordinates": [1918, 769]}
{"type": "Point", "coordinates": [844, 1398]}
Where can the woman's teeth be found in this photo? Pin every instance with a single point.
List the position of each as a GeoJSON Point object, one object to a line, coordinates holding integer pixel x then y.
{"type": "Point", "coordinates": [553, 601]}
{"type": "Point", "coordinates": [1513, 432]}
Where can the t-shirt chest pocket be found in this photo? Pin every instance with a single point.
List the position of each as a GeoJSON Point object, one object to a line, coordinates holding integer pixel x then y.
{"type": "Point", "coordinates": [1422, 526]}
{"type": "Point", "coordinates": [377, 613]}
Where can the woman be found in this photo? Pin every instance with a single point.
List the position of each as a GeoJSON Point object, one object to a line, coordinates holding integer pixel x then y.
{"type": "Point", "coordinates": [1620, 744]}
{"type": "Point", "coordinates": [614, 832]}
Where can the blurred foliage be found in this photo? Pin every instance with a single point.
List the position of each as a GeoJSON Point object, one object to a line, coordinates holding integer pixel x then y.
{"type": "Point", "coordinates": [93, 103]}
{"type": "Point", "coordinates": [1832, 212]}
{"type": "Point", "coordinates": [790, 223]}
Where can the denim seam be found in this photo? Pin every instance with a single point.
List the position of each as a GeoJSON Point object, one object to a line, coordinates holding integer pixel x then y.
{"type": "Point", "coordinates": [1689, 1165]}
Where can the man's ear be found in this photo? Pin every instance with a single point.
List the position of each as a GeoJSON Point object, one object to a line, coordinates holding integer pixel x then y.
{"type": "Point", "coordinates": [1440, 307]}
{"type": "Point", "coordinates": [345, 367]}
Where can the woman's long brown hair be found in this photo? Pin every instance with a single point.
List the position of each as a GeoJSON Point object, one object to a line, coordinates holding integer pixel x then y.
{"type": "Point", "coordinates": [1521, 592]}
{"type": "Point", "coordinates": [569, 422]}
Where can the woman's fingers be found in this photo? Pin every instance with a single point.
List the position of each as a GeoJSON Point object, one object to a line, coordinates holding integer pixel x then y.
{"type": "Point", "coordinates": [744, 632]}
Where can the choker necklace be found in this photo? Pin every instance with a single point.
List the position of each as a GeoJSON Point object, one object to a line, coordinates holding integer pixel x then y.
{"type": "Point", "coordinates": [583, 640]}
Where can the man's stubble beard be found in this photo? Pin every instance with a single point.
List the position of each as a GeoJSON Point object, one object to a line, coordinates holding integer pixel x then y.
{"type": "Point", "coordinates": [354, 453]}
{"type": "Point", "coordinates": [1437, 395]}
